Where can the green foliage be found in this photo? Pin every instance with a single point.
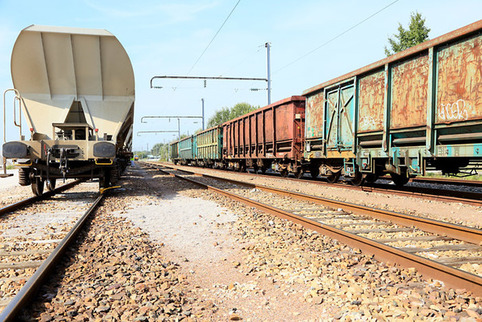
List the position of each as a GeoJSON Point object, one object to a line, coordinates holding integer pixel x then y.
{"type": "Point", "coordinates": [157, 148]}
{"type": "Point", "coordinates": [226, 113]}
{"type": "Point", "coordinates": [161, 150]}
{"type": "Point", "coordinates": [417, 33]}
{"type": "Point", "coordinates": [219, 117]}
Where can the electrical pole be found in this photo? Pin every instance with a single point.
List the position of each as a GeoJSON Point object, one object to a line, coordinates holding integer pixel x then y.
{"type": "Point", "coordinates": [202, 100]}
{"type": "Point", "coordinates": [268, 68]}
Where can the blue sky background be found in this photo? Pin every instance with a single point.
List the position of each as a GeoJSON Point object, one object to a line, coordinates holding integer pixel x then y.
{"type": "Point", "coordinates": [167, 37]}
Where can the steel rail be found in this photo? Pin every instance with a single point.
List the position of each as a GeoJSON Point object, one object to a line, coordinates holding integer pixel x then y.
{"type": "Point", "coordinates": [472, 198]}
{"type": "Point", "coordinates": [22, 298]}
{"type": "Point", "coordinates": [468, 234]}
{"type": "Point", "coordinates": [31, 200]}
{"type": "Point", "coordinates": [467, 197]}
{"type": "Point", "coordinates": [450, 276]}
{"type": "Point", "coordinates": [458, 182]}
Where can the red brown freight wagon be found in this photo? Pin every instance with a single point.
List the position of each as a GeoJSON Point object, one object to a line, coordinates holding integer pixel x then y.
{"type": "Point", "coordinates": [269, 137]}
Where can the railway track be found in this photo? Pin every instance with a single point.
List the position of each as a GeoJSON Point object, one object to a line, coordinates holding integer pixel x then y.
{"type": "Point", "coordinates": [35, 234]}
{"type": "Point", "coordinates": [456, 182]}
{"type": "Point", "coordinates": [427, 192]}
{"type": "Point", "coordinates": [446, 252]}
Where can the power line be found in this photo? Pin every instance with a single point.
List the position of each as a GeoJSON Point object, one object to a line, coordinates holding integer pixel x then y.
{"type": "Point", "coordinates": [189, 72]}
{"type": "Point", "coordinates": [336, 37]}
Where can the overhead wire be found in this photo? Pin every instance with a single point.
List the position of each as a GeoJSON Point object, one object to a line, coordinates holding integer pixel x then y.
{"type": "Point", "coordinates": [336, 37]}
{"type": "Point", "coordinates": [214, 37]}
{"type": "Point", "coordinates": [209, 44]}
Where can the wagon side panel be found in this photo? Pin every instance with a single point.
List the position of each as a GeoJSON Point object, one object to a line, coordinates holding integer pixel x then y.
{"type": "Point", "coordinates": [459, 82]}
{"type": "Point", "coordinates": [409, 93]}
{"type": "Point", "coordinates": [371, 109]}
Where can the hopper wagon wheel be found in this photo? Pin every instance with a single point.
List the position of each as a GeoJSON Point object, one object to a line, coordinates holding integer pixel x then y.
{"type": "Point", "coordinates": [114, 175]}
{"type": "Point", "coordinates": [37, 186]}
{"type": "Point", "coordinates": [104, 179]}
{"type": "Point", "coordinates": [50, 184]}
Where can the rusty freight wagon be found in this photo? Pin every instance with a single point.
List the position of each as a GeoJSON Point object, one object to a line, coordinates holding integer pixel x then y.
{"type": "Point", "coordinates": [209, 146]}
{"type": "Point", "coordinates": [269, 137]}
{"type": "Point", "coordinates": [418, 110]}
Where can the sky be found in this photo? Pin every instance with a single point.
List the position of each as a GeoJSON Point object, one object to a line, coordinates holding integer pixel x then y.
{"type": "Point", "coordinates": [312, 41]}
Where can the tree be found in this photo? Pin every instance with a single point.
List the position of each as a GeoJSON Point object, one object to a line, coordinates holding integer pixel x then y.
{"type": "Point", "coordinates": [417, 33]}
{"type": "Point", "coordinates": [226, 113]}
{"type": "Point", "coordinates": [219, 117]}
{"type": "Point", "coordinates": [161, 150]}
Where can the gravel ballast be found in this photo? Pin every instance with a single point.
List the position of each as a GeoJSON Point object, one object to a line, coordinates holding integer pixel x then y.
{"type": "Point", "coordinates": [161, 249]}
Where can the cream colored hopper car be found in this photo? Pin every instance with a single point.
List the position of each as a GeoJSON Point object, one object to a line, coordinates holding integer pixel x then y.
{"type": "Point", "coordinates": [76, 89]}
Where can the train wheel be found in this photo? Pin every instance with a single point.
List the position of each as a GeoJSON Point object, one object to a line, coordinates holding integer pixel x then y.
{"type": "Point", "coordinates": [114, 176]}
{"type": "Point", "coordinates": [37, 186]}
{"type": "Point", "coordinates": [358, 179]}
{"type": "Point", "coordinates": [104, 180]}
{"type": "Point", "coordinates": [299, 173]}
{"type": "Point", "coordinates": [284, 173]}
{"type": "Point", "coordinates": [399, 180]}
{"type": "Point", "coordinates": [371, 178]}
{"type": "Point", "coordinates": [50, 184]}
{"type": "Point", "coordinates": [314, 172]}
{"type": "Point", "coordinates": [333, 177]}
{"type": "Point", "coordinates": [24, 176]}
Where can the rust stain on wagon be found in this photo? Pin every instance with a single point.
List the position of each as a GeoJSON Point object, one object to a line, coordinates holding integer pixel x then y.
{"type": "Point", "coordinates": [314, 115]}
{"type": "Point", "coordinates": [409, 93]}
{"type": "Point", "coordinates": [371, 102]}
{"type": "Point", "coordinates": [459, 95]}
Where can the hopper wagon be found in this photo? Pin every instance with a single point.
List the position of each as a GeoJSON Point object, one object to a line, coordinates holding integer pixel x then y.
{"type": "Point", "coordinates": [76, 91]}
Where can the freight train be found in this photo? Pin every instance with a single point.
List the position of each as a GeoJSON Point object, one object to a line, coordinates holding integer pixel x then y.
{"type": "Point", "coordinates": [75, 88]}
{"type": "Point", "coordinates": [415, 111]}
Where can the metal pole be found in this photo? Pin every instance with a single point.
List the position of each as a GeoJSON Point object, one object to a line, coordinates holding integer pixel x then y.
{"type": "Point", "coordinates": [268, 46]}
{"type": "Point", "coordinates": [179, 142]}
{"type": "Point", "coordinates": [202, 100]}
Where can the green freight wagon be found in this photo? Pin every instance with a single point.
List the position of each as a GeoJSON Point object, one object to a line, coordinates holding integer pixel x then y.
{"type": "Point", "coordinates": [174, 151]}
{"type": "Point", "coordinates": [187, 150]}
{"type": "Point", "coordinates": [209, 145]}
{"type": "Point", "coordinates": [418, 110]}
